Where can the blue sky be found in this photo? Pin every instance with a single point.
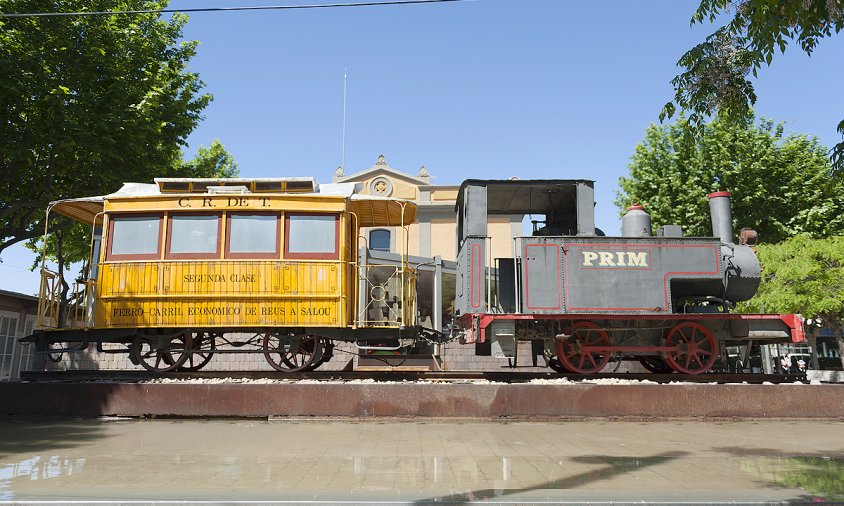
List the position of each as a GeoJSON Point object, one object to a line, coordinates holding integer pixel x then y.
{"type": "Point", "coordinates": [480, 89]}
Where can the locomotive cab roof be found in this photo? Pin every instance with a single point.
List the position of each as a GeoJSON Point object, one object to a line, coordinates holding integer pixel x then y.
{"type": "Point", "coordinates": [568, 202]}
{"type": "Point", "coordinates": [529, 196]}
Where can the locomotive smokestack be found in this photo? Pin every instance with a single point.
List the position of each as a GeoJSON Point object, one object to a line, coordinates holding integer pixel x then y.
{"type": "Point", "coordinates": [722, 216]}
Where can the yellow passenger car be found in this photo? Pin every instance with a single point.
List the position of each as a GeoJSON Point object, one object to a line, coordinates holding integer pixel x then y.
{"type": "Point", "coordinates": [186, 268]}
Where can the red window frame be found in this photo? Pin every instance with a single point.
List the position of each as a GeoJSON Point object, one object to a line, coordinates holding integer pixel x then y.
{"type": "Point", "coordinates": [192, 256]}
{"type": "Point", "coordinates": [335, 255]}
{"type": "Point", "coordinates": [132, 256]}
{"type": "Point", "coordinates": [255, 255]}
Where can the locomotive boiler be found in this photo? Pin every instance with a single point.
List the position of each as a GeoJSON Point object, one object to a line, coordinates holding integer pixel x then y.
{"type": "Point", "coordinates": [584, 299]}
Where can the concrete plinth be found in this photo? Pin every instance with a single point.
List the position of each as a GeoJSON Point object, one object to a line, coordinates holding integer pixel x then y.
{"type": "Point", "coordinates": [422, 400]}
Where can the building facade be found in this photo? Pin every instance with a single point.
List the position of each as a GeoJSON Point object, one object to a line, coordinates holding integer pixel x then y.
{"type": "Point", "coordinates": [435, 232]}
{"type": "Point", "coordinates": [18, 313]}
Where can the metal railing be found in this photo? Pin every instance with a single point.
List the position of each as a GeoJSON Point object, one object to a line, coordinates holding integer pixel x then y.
{"type": "Point", "coordinates": [387, 296]}
{"type": "Point", "coordinates": [80, 306]}
{"type": "Point", "coordinates": [49, 296]}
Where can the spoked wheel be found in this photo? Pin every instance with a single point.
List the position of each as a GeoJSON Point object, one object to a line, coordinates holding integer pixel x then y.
{"type": "Point", "coordinates": [291, 353]}
{"type": "Point", "coordinates": [161, 354]}
{"type": "Point", "coordinates": [552, 361]}
{"type": "Point", "coordinates": [204, 344]}
{"type": "Point", "coordinates": [656, 365]}
{"type": "Point", "coordinates": [574, 358]}
{"type": "Point", "coordinates": [307, 344]}
{"type": "Point", "coordinates": [695, 348]}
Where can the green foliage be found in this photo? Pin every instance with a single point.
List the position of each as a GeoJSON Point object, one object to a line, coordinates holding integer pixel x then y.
{"type": "Point", "coordinates": [820, 476]}
{"type": "Point", "coordinates": [213, 161]}
{"type": "Point", "coordinates": [70, 242]}
{"type": "Point", "coordinates": [87, 103]}
{"type": "Point", "coordinates": [781, 185]}
{"type": "Point", "coordinates": [716, 71]}
{"type": "Point", "coordinates": [803, 275]}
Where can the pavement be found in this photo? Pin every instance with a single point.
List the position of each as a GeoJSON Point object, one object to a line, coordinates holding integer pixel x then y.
{"type": "Point", "coordinates": [347, 461]}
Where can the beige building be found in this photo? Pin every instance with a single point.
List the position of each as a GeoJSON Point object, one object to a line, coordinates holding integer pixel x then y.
{"type": "Point", "coordinates": [435, 231]}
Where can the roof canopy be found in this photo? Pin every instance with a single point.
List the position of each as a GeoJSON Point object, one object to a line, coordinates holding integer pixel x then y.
{"type": "Point", "coordinates": [372, 211]}
{"type": "Point", "coordinates": [533, 196]}
{"type": "Point", "coordinates": [84, 210]}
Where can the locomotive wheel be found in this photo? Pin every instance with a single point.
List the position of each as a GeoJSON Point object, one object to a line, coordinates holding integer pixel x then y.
{"type": "Point", "coordinates": [695, 348]}
{"type": "Point", "coordinates": [202, 350]}
{"type": "Point", "coordinates": [291, 354]}
{"type": "Point", "coordinates": [656, 365]}
{"type": "Point", "coordinates": [160, 360]}
{"type": "Point", "coordinates": [576, 361]}
{"type": "Point", "coordinates": [307, 344]}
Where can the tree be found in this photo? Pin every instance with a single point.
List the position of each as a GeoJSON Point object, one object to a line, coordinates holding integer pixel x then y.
{"type": "Point", "coordinates": [781, 185]}
{"type": "Point", "coordinates": [213, 161]}
{"type": "Point", "coordinates": [88, 102]}
{"type": "Point", "coordinates": [716, 71]}
{"type": "Point", "coordinates": [803, 275]}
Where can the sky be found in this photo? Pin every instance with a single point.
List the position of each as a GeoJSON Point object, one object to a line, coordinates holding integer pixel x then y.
{"type": "Point", "coordinates": [478, 89]}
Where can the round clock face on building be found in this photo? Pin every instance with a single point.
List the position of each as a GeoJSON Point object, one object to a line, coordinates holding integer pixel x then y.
{"type": "Point", "coordinates": [381, 186]}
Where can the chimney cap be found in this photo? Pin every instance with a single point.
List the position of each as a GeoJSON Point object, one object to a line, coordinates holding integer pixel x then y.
{"type": "Point", "coordinates": [718, 194]}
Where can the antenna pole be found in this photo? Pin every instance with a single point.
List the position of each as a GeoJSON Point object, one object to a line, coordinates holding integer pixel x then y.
{"type": "Point", "coordinates": [343, 156]}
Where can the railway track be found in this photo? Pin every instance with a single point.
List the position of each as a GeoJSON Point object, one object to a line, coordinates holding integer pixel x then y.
{"type": "Point", "coordinates": [400, 376]}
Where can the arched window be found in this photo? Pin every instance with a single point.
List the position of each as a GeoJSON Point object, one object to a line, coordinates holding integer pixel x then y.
{"type": "Point", "coordinates": [379, 240]}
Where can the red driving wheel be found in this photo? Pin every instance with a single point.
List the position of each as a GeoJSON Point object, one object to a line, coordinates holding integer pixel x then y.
{"type": "Point", "coordinates": [571, 353]}
{"type": "Point", "coordinates": [694, 348]}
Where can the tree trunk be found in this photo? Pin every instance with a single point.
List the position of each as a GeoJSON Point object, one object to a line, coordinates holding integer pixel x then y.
{"type": "Point", "coordinates": [839, 338]}
{"type": "Point", "coordinates": [63, 302]}
{"type": "Point", "coordinates": [812, 336]}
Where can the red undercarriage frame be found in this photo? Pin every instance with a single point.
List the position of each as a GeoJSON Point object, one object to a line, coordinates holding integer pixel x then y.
{"type": "Point", "coordinates": [690, 347]}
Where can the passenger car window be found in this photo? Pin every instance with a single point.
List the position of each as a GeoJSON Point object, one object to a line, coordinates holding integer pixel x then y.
{"type": "Point", "coordinates": [134, 237]}
{"type": "Point", "coordinates": [311, 236]}
{"type": "Point", "coordinates": [193, 236]}
{"type": "Point", "coordinates": [252, 236]}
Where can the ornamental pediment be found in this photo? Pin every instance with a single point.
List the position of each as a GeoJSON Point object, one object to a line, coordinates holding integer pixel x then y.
{"type": "Point", "coordinates": [381, 176]}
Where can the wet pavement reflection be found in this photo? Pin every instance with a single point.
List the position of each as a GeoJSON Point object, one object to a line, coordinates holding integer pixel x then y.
{"type": "Point", "coordinates": [421, 462]}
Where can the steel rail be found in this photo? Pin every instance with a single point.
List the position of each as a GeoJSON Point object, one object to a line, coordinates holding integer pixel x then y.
{"type": "Point", "coordinates": [402, 376]}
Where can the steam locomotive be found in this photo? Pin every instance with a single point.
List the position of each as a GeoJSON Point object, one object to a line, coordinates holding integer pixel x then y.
{"type": "Point", "coordinates": [184, 269]}
{"type": "Point", "coordinates": [584, 299]}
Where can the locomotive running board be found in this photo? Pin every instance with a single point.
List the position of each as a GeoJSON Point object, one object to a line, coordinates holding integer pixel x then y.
{"type": "Point", "coordinates": [758, 326]}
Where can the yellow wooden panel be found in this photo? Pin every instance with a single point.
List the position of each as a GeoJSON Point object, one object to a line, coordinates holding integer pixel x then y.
{"type": "Point", "coordinates": [251, 202]}
{"type": "Point", "coordinates": [220, 294]}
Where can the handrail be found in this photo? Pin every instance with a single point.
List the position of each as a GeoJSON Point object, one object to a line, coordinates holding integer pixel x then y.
{"type": "Point", "coordinates": [48, 301]}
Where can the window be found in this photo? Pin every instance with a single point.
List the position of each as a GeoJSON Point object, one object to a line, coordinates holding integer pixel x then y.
{"type": "Point", "coordinates": [379, 240]}
{"type": "Point", "coordinates": [193, 236]}
{"type": "Point", "coordinates": [312, 236]}
{"type": "Point", "coordinates": [134, 237]}
{"type": "Point", "coordinates": [8, 336]}
{"type": "Point", "coordinates": [252, 236]}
